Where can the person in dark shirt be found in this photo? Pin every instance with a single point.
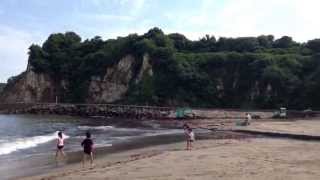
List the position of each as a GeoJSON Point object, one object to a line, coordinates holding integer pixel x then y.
{"type": "Point", "coordinates": [87, 145]}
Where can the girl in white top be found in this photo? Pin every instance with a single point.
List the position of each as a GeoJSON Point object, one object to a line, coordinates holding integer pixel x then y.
{"type": "Point", "coordinates": [60, 146]}
{"type": "Point", "coordinates": [248, 120]}
{"type": "Point", "coordinates": [190, 136]}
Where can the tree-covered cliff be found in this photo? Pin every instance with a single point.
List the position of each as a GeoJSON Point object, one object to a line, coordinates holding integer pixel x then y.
{"type": "Point", "coordinates": [159, 69]}
{"type": "Point", "coordinates": [2, 85]}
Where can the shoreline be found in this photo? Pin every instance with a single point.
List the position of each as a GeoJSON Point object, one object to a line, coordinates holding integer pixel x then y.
{"type": "Point", "coordinates": [74, 157]}
{"type": "Point", "coordinates": [153, 146]}
{"type": "Point", "coordinates": [136, 149]}
{"type": "Point", "coordinates": [241, 159]}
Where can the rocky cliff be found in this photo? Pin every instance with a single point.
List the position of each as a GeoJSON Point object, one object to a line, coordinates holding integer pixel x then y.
{"type": "Point", "coordinates": [32, 87]}
{"type": "Point", "coordinates": [115, 83]}
{"type": "Point", "coordinates": [29, 87]}
{"type": "Point", "coordinates": [170, 70]}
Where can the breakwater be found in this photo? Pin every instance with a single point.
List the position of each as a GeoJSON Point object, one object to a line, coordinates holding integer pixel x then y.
{"type": "Point", "coordinates": [105, 110]}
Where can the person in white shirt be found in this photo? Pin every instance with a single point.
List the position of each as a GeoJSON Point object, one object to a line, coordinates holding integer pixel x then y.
{"type": "Point", "coordinates": [248, 119]}
{"type": "Point", "coordinates": [190, 136]}
{"type": "Point", "coordinates": [60, 146]}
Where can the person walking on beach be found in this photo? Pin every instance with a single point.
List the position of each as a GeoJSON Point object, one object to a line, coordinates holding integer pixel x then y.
{"type": "Point", "coordinates": [190, 136]}
{"type": "Point", "coordinates": [248, 119]}
{"type": "Point", "coordinates": [87, 145]}
{"type": "Point", "coordinates": [60, 146]}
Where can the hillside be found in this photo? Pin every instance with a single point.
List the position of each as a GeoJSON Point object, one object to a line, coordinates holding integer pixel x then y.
{"type": "Point", "coordinates": [159, 69]}
{"type": "Point", "coordinates": [2, 85]}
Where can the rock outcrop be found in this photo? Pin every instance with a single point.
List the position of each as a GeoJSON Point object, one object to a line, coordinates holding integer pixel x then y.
{"type": "Point", "coordinates": [32, 87]}
{"type": "Point", "coordinates": [115, 84]}
{"type": "Point", "coordinates": [145, 68]}
{"type": "Point", "coordinates": [29, 87]}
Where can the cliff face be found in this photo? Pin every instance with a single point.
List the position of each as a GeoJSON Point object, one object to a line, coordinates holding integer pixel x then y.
{"type": "Point", "coordinates": [31, 87]}
{"type": "Point", "coordinates": [134, 80]}
{"type": "Point", "coordinates": [115, 84]}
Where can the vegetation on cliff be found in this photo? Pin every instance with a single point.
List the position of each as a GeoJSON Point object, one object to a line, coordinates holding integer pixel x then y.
{"type": "Point", "coordinates": [260, 72]}
{"type": "Point", "coordinates": [2, 85]}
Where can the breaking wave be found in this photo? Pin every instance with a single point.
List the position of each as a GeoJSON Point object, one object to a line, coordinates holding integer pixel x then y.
{"type": "Point", "coordinates": [25, 143]}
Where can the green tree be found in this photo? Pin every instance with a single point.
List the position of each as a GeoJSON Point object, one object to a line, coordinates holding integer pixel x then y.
{"type": "Point", "coordinates": [314, 45]}
{"type": "Point", "coordinates": [284, 42]}
{"type": "Point", "coordinates": [266, 41]}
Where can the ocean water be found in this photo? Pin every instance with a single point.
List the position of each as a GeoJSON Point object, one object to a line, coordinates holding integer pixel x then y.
{"type": "Point", "coordinates": [27, 141]}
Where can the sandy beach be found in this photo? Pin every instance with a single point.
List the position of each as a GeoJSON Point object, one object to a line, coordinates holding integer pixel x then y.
{"type": "Point", "coordinates": [211, 159]}
{"type": "Point", "coordinates": [217, 154]}
{"type": "Point", "coordinates": [227, 159]}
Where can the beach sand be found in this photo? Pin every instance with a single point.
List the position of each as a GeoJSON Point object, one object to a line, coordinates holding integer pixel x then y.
{"type": "Point", "coordinates": [255, 158]}
{"type": "Point", "coordinates": [219, 155]}
{"type": "Point", "coordinates": [298, 126]}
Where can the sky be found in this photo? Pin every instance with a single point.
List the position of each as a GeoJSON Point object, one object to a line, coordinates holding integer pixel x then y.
{"type": "Point", "coordinates": [26, 22]}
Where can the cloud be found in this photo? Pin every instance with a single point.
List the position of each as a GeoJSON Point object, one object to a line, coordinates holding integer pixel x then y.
{"type": "Point", "coordinates": [134, 7]}
{"type": "Point", "coordinates": [113, 32]}
{"type": "Point", "coordinates": [13, 51]}
{"type": "Point", "coordinates": [107, 17]}
{"type": "Point", "coordinates": [295, 18]}
{"type": "Point", "coordinates": [113, 17]}
{"type": "Point", "coordinates": [234, 18]}
{"type": "Point", "coordinates": [129, 7]}
{"type": "Point", "coordinates": [138, 5]}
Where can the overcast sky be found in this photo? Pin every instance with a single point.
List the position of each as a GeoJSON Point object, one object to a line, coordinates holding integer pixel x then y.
{"type": "Point", "coordinates": [23, 22]}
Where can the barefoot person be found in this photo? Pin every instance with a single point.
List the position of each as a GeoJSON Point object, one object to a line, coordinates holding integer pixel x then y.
{"type": "Point", "coordinates": [248, 119]}
{"type": "Point", "coordinates": [190, 136]}
{"type": "Point", "coordinates": [60, 145]}
{"type": "Point", "coordinates": [87, 145]}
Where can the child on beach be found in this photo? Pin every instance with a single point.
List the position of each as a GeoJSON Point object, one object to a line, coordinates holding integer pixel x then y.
{"type": "Point", "coordinates": [60, 145]}
{"type": "Point", "coordinates": [190, 136]}
{"type": "Point", "coordinates": [87, 145]}
{"type": "Point", "coordinates": [248, 119]}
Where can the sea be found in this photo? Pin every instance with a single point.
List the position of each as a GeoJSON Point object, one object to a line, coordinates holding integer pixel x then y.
{"type": "Point", "coordinates": [28, 142]}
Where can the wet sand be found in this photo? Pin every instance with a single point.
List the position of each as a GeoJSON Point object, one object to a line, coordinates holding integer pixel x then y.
{"type": "Point", "coordinates": [118, 151]}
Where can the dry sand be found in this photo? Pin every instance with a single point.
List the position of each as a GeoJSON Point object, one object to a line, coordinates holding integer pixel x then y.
{"type": "Point", "coordinates": [241, 159]}
{"type": "Point", "coordinates": [305, 127]}
{"type": "Point", "coordinates": [256, 159]}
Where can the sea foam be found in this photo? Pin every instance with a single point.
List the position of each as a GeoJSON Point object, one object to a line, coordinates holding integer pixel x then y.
{"type": "Point", "coordinates": [95, 127]}
{"type": "Point", "coordinates": [28, 142]}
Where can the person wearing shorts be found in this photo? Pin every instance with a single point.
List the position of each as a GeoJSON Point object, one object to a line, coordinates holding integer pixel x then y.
{"type": "Point", "coordinates": [190, 136]}
{"type": "Point", "coordinates": [87, 145]}
{"type": "Point", "coordinates": [60, 146]}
